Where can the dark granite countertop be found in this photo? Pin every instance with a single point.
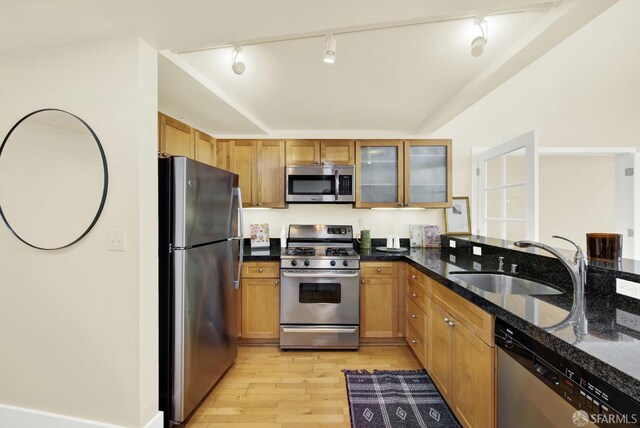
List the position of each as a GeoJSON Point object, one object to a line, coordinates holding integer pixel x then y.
{"type": "Point", "coordinates": [270, 254]}
{"type": "Point", "coordinates": [609, 350]}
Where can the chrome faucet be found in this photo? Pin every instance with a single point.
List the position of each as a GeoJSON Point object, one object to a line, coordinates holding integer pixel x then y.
{"type": "Point", "coordinates": [578, 270]}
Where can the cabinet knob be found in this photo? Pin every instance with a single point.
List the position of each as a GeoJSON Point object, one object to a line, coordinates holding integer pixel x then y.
{"type": "Point", "coordinates": [414, 295]}
{"type": "Point", "coordinates": [414, 316]}
{"type": "Point", "coordinates": [317, 163]}
{"type": "Point", "coordinates": [322, 162]}
{"type": "Point", "coordinates": [446, 320]}
{"type": "Point", "coordinates": [401, 205]}
{"type": "Point", "coordinates": [362, 281]}
{"type": "Point", "coordinates": [378, 270]}
{"type": "Point", "coordinates": [277, 282]}
{"type": "Point", "coordinates": [260, 269]}
{"type": "Point", "coordinates": [259, 205]}
{"type": "Point", "coordinates": [407, 205]}
{"type": "Point", "coordinates": [414, 341]}
{"type": "Point", "coordinates": [451, 323]}
{"type": "Point", "coordinates": [253, 204]}
{"type": "Point", "coordinates": [413, 277]}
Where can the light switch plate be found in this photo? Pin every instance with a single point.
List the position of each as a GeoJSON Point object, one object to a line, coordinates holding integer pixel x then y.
{"type": "Point", "coordinates": [628, 288]}
{"type": "Point", "coordinates": [452, 243]}
{"type": "Point", "coordinates": [477, 251]}
{"type": "Point", "coordinates": [117, 240]}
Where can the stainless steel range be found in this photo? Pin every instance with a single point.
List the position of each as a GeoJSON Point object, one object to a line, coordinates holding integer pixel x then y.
{"type": "Point", "coordinates": [320, 288]}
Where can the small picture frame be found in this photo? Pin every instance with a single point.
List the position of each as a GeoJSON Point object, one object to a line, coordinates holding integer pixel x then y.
{"type": "Point", "coordinates": [457, 219]}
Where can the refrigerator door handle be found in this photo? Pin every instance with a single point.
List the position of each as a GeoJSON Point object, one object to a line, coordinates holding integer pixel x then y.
{"type": "Point", "coordinates": [237, 194]}
{"type": "Point", "coordinates": [237, 275]}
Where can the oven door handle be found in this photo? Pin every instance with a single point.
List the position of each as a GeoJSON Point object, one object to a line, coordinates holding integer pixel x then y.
{"type": "Point", "coordinates": [319, 330]}
{"type": "Point", "coordinates": [320, 275]}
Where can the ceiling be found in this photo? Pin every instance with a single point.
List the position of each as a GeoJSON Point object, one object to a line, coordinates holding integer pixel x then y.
{"type": "Point", "coordinates": [394, 81]}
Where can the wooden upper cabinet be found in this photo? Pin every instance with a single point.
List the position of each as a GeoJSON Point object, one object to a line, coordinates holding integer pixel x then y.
{"type": "Point", "coordinates": [175, 137]}
{"type": "Point", "coordinates": [427, 173]}
{"type": "Point", "coordinates": [223, 154]}
{"type": "Point", "coordinates": [260, 166]}
{"type": "Point", "coordinates": [243, 162]}
{"type": "Point", "coordinates": [403, 173]}
{"type": "Point", "coordinates": [320, 152]}
{"type": "Point", "coordinates": [303, 152]}
{"type": "Point", "coordinates": [379, 173]}
{"type": "Point", "coordinates": [205, 148]}
{"type": "Point", "coordinates": [270, 174]}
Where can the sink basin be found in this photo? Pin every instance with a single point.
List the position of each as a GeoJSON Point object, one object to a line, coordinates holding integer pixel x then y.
{"type": "Point", "coordinates": [503, 284]}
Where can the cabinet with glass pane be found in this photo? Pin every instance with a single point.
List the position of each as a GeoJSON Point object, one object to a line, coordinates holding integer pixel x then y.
{"type": "Point", "coordinates": [403, 173]}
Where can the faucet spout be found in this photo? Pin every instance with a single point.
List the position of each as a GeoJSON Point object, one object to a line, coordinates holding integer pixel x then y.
{"type": "Point", "coordinates": [578, 271]}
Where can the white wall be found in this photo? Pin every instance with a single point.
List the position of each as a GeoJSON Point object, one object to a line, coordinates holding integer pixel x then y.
{"type": "Point", "coordinates": [78, 327]}
{"type": "Point", "coordinates": [378, 221]}
{"type": "Point", "coordinates": [584, 92]}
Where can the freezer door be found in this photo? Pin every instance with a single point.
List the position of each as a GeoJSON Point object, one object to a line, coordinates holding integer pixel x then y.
{"type": "Point", "coordinates": [205, 308]}
{"type": "Point", "coordinates": [202, 205]}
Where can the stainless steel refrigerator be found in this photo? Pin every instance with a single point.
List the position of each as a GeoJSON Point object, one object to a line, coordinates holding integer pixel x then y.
{"type": "Point", "coordinates": [200, 259]}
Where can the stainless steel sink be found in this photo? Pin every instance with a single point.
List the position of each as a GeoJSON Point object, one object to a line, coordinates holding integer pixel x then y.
{"type": "Point", "coordinates": [503, 284]}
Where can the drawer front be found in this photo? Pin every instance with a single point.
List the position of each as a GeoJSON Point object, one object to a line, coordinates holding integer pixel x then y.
{"type": "Point", "coordinates": [416, 317]}
{"type": "Point", "coordinates": [417, 296]}
{"type": "Point", "coordinates": [417, 278]}
{"type": "Point", "coordinates": [373, 270]}
{"type": "Point", "coordinates": [261, 270]}
{"type": "Point", "coordinates": [465, 312]}
{"type": "Point", "coordinates": [417, 343]}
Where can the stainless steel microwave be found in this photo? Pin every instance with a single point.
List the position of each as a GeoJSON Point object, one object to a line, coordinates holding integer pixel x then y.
{"type": "Point", "coordinates": [322, 183]}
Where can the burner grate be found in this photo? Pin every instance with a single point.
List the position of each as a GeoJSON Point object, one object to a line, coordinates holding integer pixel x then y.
{"type": "Point", "coordinates": [301, 251]}
{"type": "Point", "coordinates": [337, 252]}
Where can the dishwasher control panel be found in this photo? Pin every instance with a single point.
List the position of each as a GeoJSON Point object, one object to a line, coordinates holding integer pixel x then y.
{"type": "Point", "coordinates": [580, 388]}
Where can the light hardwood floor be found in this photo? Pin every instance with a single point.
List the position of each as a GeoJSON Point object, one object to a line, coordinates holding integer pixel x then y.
{"type": "Point", "coordinates": [267, 387]}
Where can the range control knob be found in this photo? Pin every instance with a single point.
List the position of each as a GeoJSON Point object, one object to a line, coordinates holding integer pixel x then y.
{"type": "Point", "coordinates": [332, 262]}
{"type": "Point", "coordinates": [306, 262]}
{"type": "Point", "coordinates": [294, 262]}
{"type": "Point", "coordinates": [345, 263]}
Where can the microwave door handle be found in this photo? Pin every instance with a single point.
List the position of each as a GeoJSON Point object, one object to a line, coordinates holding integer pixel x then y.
{"type": "Point", "coordinates": [337, 174]}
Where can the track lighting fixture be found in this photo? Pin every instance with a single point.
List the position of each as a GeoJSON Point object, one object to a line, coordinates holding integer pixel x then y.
{"type": "Point", "coordinates": [478, 44]}
{"type": "Point", "coordinates": [330, 50]}
{"type": "Point", "coordinates": [237, 66]}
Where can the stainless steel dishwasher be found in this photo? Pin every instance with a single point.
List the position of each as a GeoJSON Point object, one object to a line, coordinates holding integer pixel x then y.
{"type": "Point", "coordinates": [539, 388]}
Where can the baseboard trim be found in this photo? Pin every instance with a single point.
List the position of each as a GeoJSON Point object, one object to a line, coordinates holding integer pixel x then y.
{"type": "Point", "coordinates": [20, 417]}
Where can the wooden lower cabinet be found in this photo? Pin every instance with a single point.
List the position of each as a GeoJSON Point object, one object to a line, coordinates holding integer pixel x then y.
{"type": "Point", "coordinates": [260, 294]}
{"type": "Point", "coordinates": [379, 300]}
{"type": "Point", "coordinates": [462, 366]}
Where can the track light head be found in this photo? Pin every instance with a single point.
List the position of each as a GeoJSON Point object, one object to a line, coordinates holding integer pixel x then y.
{"type": "Point", "coordinates": [238, 67]}
{"type": "Point", "coordinates": [478, 43]}
{"type": "Point", "coordinates": [330, 50]}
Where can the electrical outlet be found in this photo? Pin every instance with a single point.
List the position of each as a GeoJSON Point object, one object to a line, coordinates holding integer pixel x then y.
{"type": "Point", "coordinates": [477, 266]}
{"type": "Point", "coordinates": [117, 240]}
{"type": "Point", "coordinates": [452, 243]}
{"type": "Point", "coordinates": [452, 258]}
{"type": "Point", "coordinates": [477, 251]}
{"type": "Point", "coordinates": [627, 319]}
{"type": "Point", "coordinates": [628, 288]}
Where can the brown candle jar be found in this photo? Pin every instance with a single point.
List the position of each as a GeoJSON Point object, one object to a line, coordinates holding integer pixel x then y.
{"type": "Point", "coordinates": [604, 246]}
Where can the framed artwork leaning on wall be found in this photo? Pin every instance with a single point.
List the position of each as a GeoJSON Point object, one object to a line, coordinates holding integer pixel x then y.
{"type": "Point", "coordinates": [457, 219]}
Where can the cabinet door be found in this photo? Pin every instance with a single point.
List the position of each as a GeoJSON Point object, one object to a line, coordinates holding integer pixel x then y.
{"type": "Point", "coordinates": [303, 152]}
{"type": "Point", "coordinates": [270, 175]}
{"type": "Point", "coordinates": [205, 148]}
{"type": "Point", "coordinates": [243, 163]}
{"type": "Point", "coordinates": [261, 308]}
{"type": "Point", "coordinates": [223, 154]}
{"type": "Point", "coordinates": [379, 173]}
{"type": "Point", "coordinates": [379, 307]}
{"type": "Point", "coordinates": [337, 152]}
{"type": "Point", "coordinates": [427, 169]}
{"type": "Point", "coordinates": [439, 339]}
{"type": "Point", "coordinates": [175, 137]}
{"type": "Point", "coordinates": [473, 380]}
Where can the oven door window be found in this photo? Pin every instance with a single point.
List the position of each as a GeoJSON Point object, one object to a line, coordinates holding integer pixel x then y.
{"type": "Point", "coordinates": [312, 185]}
{"type": "Point", "coordinates": [319, 292]}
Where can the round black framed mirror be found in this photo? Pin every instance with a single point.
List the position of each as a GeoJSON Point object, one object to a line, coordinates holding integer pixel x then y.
{"type": "Point", "coordinates": [54, 179]}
